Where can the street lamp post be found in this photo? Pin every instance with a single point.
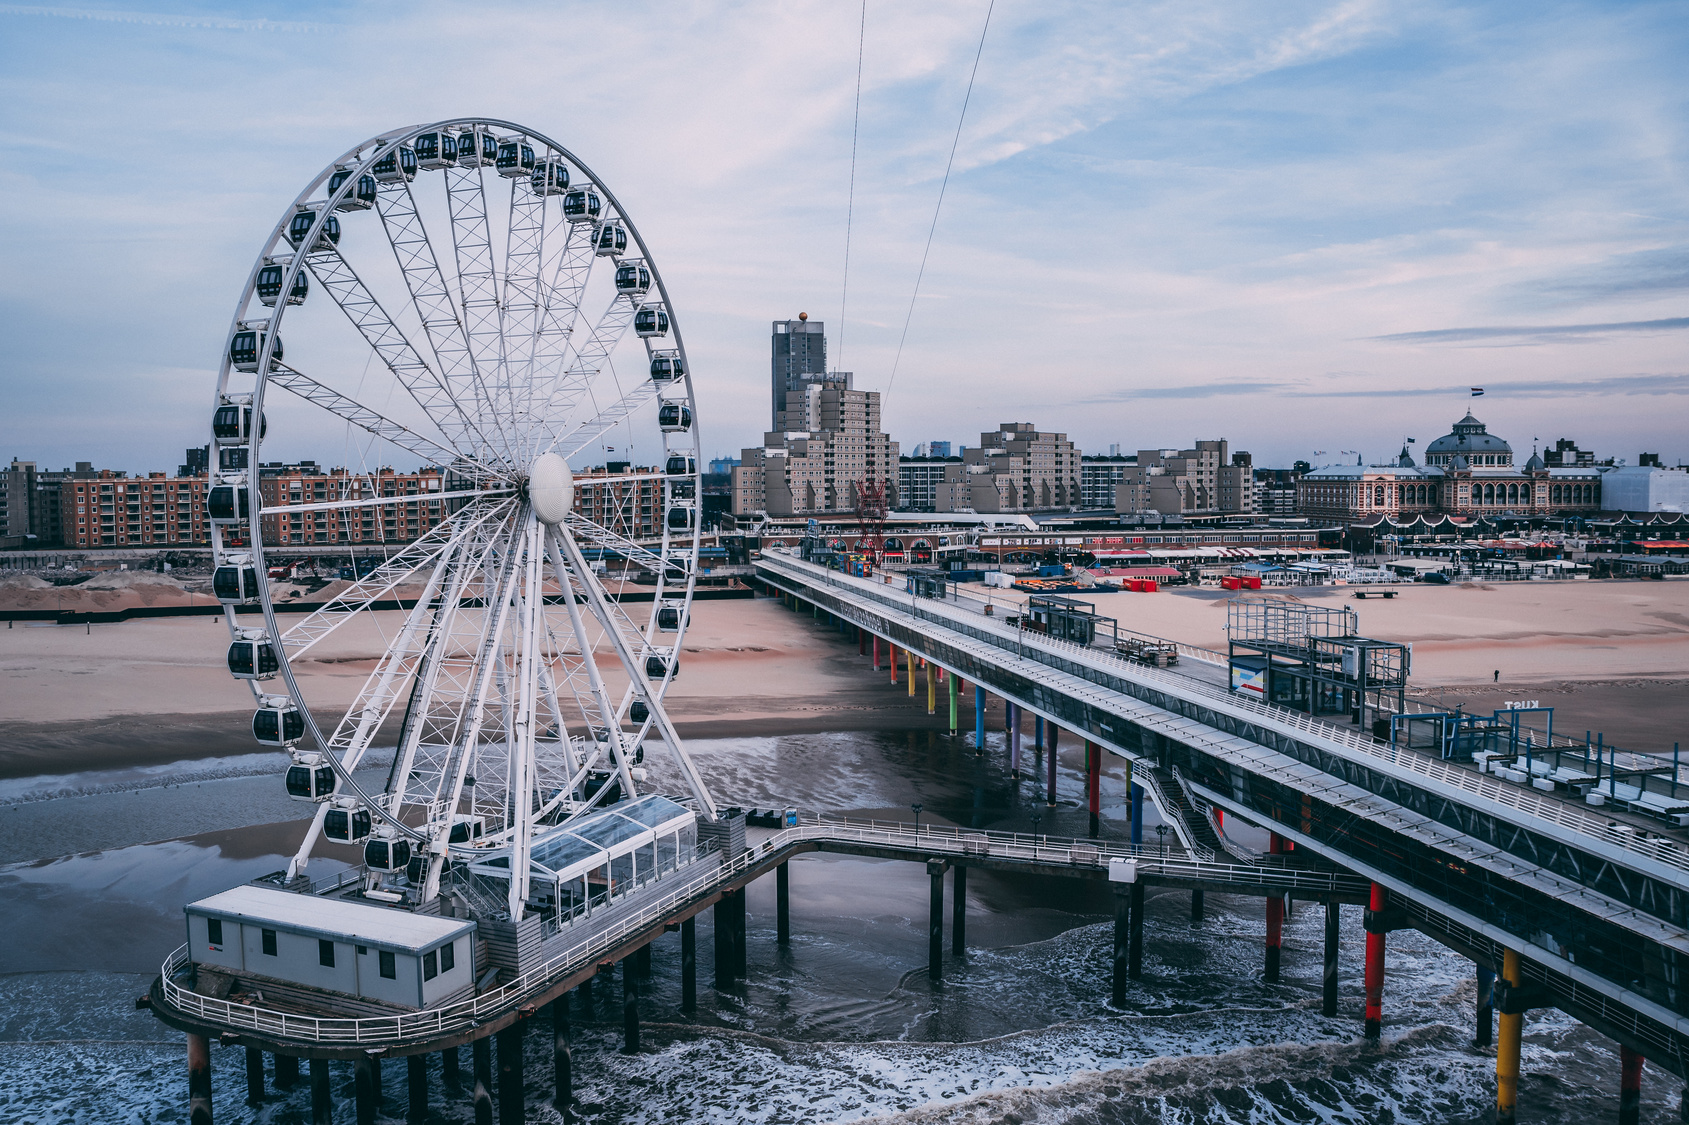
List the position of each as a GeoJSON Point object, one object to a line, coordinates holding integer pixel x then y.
{"type": "Point", "coordinates": [916, 808]}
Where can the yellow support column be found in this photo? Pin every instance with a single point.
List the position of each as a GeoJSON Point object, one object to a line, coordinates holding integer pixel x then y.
{"type": "Point", "coordinates": [911, 657]}
{"type": "Point", "coordinates": [932, 689]}
{"type": "Point", "coordinates": [1507, 1048]}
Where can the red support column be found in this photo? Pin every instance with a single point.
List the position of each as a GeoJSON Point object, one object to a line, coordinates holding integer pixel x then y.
{"type": "Point", "coordinates": [893, 649]}
{"type": "Point", "coordinates": [1630, 1087]}
{"type": "Point", "coordinates": [876, 653]}
{"type": "Point", "coordinates": [1374, 967]}
{"type": "Point", "coordinates": [1093, 784]}
{"type": "Point", "coordinates": [1275, 918]}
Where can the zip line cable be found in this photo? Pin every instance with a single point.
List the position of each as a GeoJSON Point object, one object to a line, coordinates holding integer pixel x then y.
{"type": "Point", "coordinates": [940, 205]}
{"type": "Point", "coordinates": [850, 199]}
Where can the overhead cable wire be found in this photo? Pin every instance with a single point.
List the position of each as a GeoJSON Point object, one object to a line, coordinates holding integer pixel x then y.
{"type": "Point", "coordinates": [944, 184]}
{"type": "Point", "coordinates": [850, 198]}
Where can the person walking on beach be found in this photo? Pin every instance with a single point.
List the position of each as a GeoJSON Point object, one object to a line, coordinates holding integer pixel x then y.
{"type": "Point", "coordinates": [1497, 679]}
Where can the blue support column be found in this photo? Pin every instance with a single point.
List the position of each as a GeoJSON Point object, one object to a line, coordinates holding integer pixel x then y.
{"type": "Point", "coordinates": [1137, 813]}
{"type": "Point", "coordinates": [979, 718]}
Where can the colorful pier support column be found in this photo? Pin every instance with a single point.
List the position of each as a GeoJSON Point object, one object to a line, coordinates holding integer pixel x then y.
{"type": "Point", "coordinates": [876, 645]}
{"type": "Point", "coordinates": [1275, 917]}
{"type": "Point", "coordinates": [1374, 978]}
{"type": "Point", "coordinates": [932, 687]}
{"type": "Point", "coordinates": [1011, 723]}
{"type": "Point", "coordinates": [1507, 1046]}
{"type": "Point", "coordinates": [1093, 784]}
{"type": "Point", "coordinates": [199, 1080]}
{"type": "Point", "coordinates": [1630, 1086]}
{"type": "Point", "coordinates": [1051, 734]}
{"type": "Point", "coordinates": [1333, 918]}
{"type": "Point", "coordinates": [910, 657]}
{"type": "Point", "coordinates": [892, 650]}
{"type": "Point", "coordinates": [979, 725]}
{"type": "Point", "coordinates": [952, 686]}
{"type": "Point", "coordinates": [935, 920]}
{"type": "Point", "coordinates": [1484, 1031]}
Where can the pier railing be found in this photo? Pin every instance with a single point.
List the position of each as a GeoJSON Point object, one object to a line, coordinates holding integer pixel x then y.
{"type": "Point", "coordinates": [934, 841]}
{"type": "Point", "coordinates": [1077, 658]}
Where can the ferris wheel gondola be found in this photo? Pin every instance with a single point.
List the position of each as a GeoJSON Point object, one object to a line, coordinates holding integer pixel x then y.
{"type": "Point", "coordinates": [463, 326]}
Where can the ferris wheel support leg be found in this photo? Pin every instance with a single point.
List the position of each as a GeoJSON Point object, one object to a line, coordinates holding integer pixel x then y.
{"type": "Point", "coordinates": [522, 746]}
{"type": "Point", "coordinates": [302, 857]}
{"type": "Point", "coordinates": [594, 678]}
{"type": "Point", "coordinates": [595, 599]}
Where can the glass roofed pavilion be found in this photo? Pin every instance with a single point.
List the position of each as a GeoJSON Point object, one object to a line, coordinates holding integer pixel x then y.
{"type": "Point", "coordinates": [585, 863]}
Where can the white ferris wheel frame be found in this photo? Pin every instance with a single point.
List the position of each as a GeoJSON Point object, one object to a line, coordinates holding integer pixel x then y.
{"type": "Point", "coordinates": [554, 546]}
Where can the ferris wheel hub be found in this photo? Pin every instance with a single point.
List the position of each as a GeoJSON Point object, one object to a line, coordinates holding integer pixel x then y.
{"type": "Point", "coordinates": [551, 488]}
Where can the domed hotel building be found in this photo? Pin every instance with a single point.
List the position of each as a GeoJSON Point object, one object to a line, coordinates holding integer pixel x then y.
{"type": "Point", "coordinates": [1468, 473]}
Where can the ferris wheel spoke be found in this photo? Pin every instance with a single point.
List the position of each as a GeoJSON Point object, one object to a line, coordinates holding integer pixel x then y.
{"type": "Point", "coordinates": [392, 346]}
{"type": "Point", "coordinates": [576, 438]}
{"type": "Point", "coordinates": [604, 539]}
{"type": "Point", "coordinates": [373, 422]}
{"type": "Point", "coordinates": [567, 272]}
{"type": "Point", "coordinates": [477, 280]}
{"type": "Point", "coordinates": [567, 389]}
{"type": "Point", "coordinates": [385, 501]}
{"type": "Point", "coordinates": [430, 297]}
{"type": "Point", "coordinates": [524, 254]}
{"type": "Point", "coordinates": [432, 549]}
{"type": "Point", "coordinates": [560, 543]}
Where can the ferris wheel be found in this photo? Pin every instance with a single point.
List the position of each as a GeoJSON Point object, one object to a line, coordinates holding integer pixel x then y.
{"type": "Point", "coordinates": [467, 297]}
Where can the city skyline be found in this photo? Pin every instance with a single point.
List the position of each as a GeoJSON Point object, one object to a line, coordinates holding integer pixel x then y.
{"type": "Point", "coordinates": [1281, 219]}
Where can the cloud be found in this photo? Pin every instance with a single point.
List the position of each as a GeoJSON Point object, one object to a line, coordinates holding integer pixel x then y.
{"type": "Point", "coordinates": [1666, 384]}
{"type": "Point", "coordinates": [158, 19]}
{"type": "Point", "coordinates": [1534, 333]}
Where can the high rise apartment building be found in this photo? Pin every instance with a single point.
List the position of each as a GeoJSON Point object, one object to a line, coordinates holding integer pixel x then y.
{"type": "Point", "coordinates": [1206, 479]}
{"type": "Point", "coordinates": [1017, 468]}
{"type": "Point", "coordinates": [827, 440]}
{"type": "Point", "coordinates": [17, 500]}
{"type": "Point", "coordinates": [799, 358]}
{"type": "Point", "coordinates": [1099, 476]}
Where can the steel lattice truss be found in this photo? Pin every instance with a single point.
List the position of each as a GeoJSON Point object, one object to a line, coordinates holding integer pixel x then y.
{"type": "Point", "coordinates": [476, 333]}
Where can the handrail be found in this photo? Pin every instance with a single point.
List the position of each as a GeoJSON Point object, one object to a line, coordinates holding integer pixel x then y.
{"type": "Point", "coordinates": [939, 841]}
{"type": "Point", "coordinates": [1480, 785]}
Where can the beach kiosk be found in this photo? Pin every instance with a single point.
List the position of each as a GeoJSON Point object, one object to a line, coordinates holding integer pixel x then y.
{"type": "Point", "coordinates": [263, 934]}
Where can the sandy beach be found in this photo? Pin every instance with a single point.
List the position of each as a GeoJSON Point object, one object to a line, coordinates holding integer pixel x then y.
{"type": "Point", "coordinates": [1613, 656]}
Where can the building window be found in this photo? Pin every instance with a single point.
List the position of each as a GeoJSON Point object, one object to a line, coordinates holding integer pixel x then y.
{"type": "Point", "coordinates": [389, 964]}
{"type": "Point", "coordinates": [325, 953]}
{"type": "Point", "coordinates": [268, 938]}
{"type": "Point", "coordinates": [448, 957]}
{"type": "Point", "coordinates": [430, 966]}
{"type": "Point", "coordinates": [214, 931]}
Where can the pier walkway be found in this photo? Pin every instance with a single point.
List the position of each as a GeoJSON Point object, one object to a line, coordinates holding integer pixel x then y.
{"type": "Point", "coordinates": [1593, 906]}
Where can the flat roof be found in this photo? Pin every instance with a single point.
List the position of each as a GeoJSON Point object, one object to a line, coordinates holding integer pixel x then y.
{"type": "Point", "coordinates": [333, 917]}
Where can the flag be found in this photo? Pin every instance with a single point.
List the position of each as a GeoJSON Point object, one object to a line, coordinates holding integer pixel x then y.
{"type": "Point", "coordinates": [1410, 441]}
{"type": "Point", "coordinates": [1476, 391]}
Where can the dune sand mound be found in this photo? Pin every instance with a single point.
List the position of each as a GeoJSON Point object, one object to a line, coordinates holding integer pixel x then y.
{"type": "Point", "coordinates": [12, 582]}
{"type": "Point", "coordinates": [129, 579]}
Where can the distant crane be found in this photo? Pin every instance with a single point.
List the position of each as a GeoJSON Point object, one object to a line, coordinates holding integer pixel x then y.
{"type": "Point", "coordinates": [871, 517]}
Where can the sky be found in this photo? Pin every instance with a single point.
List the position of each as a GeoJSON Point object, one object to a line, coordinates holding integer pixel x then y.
{"type": "Point", "coordinates": [1299, 226]}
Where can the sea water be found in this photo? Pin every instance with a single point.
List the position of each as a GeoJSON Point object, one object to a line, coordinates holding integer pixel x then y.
{"type": "Point", "coordinates": [842, 1024]}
